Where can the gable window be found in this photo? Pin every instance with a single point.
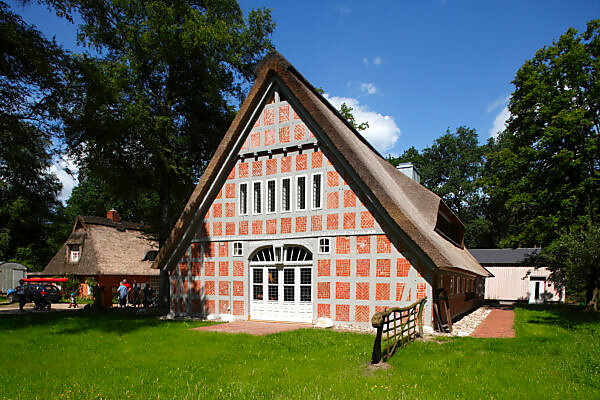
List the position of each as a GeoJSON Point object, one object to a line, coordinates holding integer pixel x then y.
{"type": "Point", "coordinates": [74, 253]}
{"type": "Point", "coordinates": [301, 193]}
{"type": "Point", "coordinates": [257, 197]}
{"type": "Point", "coordinates": [243, 198]}
{"type": "Point", "coordinates": [271, 196]}
{"type": "Point", "coordinates": [316, 191]}
{"type": "Point", "coordinates": [324, 246]}
{"type": "Point", "coordinates": [237, 249]}
{"type": "Point", "coordinates": [286, 204]}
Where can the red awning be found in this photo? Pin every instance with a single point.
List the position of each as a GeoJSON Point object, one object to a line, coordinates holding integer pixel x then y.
{"type": "Point", "coordinates": [45, 280]}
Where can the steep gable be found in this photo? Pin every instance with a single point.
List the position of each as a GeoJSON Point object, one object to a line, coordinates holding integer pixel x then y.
{"type": "Point", "coordinates": [284, 113]}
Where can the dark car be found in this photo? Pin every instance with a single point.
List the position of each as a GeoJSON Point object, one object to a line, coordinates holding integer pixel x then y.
{"type": "Point", "coordinates": [36, 290]}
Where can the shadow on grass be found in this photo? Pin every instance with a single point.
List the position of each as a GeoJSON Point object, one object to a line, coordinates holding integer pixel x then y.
{"type": "Point", "coordinates": [107, 321]}
{"type": "Point", "coordinates": [562, 315]}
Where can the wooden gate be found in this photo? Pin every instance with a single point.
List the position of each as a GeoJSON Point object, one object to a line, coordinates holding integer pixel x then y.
{"type": "Point", "coordinates": [396, 326]}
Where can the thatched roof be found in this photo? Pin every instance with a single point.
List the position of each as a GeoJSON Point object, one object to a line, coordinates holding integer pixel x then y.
{"type": "Point", "coordinates": [407, 208]}
{"type": "Point", "coordinates": [107, 248]}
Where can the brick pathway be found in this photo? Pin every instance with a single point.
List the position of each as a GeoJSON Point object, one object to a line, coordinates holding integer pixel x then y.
{"type": "Point", "coordinates": [254, 327]}
{"type": "Point", "coordinates": [498, 324]}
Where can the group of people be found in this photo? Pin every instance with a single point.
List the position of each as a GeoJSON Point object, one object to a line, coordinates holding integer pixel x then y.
{"type": "Point", "coordinates": [134, 295]}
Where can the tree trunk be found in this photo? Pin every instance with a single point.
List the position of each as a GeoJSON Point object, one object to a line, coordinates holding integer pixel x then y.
{"type": "Point", "coordinates": [593, 302]}
{"type": "Point", "coordinates": [163, 234]}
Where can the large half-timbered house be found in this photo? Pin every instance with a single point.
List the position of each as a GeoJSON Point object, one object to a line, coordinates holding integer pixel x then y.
{"type": "Point", "coordinates": [298, 217]}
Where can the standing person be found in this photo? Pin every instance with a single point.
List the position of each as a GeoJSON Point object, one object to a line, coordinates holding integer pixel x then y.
{"type": "Point", "coordinates": [122, 293]}
{"type": "Point", "coordinates": [21, 295]}
{"type": "Point", "coordinates": [135, 292]}
{"type": "Point", "coordinates": [128, 286]}
{"type": "Point", "coordinates": [148, 292]}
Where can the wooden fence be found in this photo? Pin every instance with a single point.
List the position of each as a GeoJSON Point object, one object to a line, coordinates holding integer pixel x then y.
{"type": "Point", "coordinates": [396, 327]}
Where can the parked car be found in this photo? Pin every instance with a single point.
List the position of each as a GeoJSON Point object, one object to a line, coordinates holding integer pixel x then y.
{"type": "Point", "coordinates": [34, 289]}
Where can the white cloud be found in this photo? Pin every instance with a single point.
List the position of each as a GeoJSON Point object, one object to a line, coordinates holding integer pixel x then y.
{"type": "Point", "coordinates": [502, 101]}
{"type": "Point", "coordinates": [343, 9]}
{"type": "Point", "coordinates": [66, 171]}
{"type": "Point", "coordinates": [376, 61]}
{"type": "Point", "coordinates": [500, 122]}
{"type": "Point", "coordinates": [382, 132]}
{"type": "Point", "coordinates": [368, 88]}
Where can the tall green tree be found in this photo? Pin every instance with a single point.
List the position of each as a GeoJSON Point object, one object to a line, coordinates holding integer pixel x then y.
{"type": "Point", "coordinates": [545, 169]}
{"type": "Point", "coordinates": [31, 77]}
{"type": "Point", "coordinates": [147, 113]}
{"type": "Point", "coordinates": [574, 259]}
{"type": "Point", "coordinates": [451, 167]}
{"type": "Point", "coordinates": [93, 197]}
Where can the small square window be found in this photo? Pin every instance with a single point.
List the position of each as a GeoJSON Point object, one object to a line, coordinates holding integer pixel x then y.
{"type": "Point", "coordinates": [74, 253]}
{"type": "Point", "coordinates": [238, 249]}
{"type": "Point", "coordinates": [324, 246]}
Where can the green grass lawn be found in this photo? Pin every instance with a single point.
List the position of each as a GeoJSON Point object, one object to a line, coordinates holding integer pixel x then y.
{"type": "Point", "coordinates": [115, 355]}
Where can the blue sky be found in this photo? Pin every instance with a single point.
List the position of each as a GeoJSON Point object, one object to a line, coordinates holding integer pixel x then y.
{"type": "Point", "coordinates": [412, 69]}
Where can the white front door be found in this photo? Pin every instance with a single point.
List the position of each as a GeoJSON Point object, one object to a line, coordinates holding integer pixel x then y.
{"type": "Point", "coordinates": [281, 293]}
{"type": "Point", "coordinates": [537, 287]}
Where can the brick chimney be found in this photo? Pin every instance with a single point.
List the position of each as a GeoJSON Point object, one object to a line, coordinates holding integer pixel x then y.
{"type": "Point", "coordinates": [114, 216]}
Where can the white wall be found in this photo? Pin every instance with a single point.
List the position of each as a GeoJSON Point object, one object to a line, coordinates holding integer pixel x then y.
{"type": "Point", "coordinates": [513, 283]}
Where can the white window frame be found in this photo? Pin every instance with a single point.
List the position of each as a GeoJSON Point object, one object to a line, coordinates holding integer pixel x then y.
{"type": "Point", "coordinates": [241, 249]}
{"type": "Point", "coordinates": [74, 255]}
{"type": "Point", "coordinates": [240, 198]}
{"type": "Point", "coordinates": [274, 195]}
{"type": "Point", "coordinates": [290, 196]}
{"type": "Point", "coordinates": [312, 191]}
{"type": "Point", "coordinates": [298, 177]}
{"type": "Point", "coordinates": [328, 245]}
{"type": "Point", "coordinates": [260, 183]}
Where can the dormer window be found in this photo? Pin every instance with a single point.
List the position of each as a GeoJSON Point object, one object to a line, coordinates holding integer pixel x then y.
{"type": "Point", "coordinates": [74, 253]}
{"type": "Point", "coordinates": [150, 255]}
{"type": "Point", "coordinates": [449, 226]}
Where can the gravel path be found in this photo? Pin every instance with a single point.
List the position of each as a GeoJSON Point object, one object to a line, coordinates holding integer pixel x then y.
{"type": "Point", "coordinates": [467, 323]}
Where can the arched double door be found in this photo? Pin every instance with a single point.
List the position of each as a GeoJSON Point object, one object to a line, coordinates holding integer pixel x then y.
{"type": "Point", "coordinates": [281, 284]}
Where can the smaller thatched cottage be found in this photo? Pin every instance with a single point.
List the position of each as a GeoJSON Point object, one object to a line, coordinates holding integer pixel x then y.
{"type": "Point", "coordinates": [108, 250]}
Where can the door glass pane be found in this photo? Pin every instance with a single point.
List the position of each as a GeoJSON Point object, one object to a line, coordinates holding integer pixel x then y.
{"type": "Point", "coordinates": [288, 293]}
{"type": "Point", "coordinates": [273, 288]}
{"type": "Point", "coordinates": [304, 293]}
{"type": "Point", "coordinates": [288, 276]}
{"type": "Point", "coordinates": [305, 276]}
{"type": "Point", "coordinates": [273, 276]}
{"type": "Point", "coordinates": [273, 292]}
{"type": "Point", "coordinates": [257, 292]}
{"type": "Point", "coordinates": [257, 274]}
